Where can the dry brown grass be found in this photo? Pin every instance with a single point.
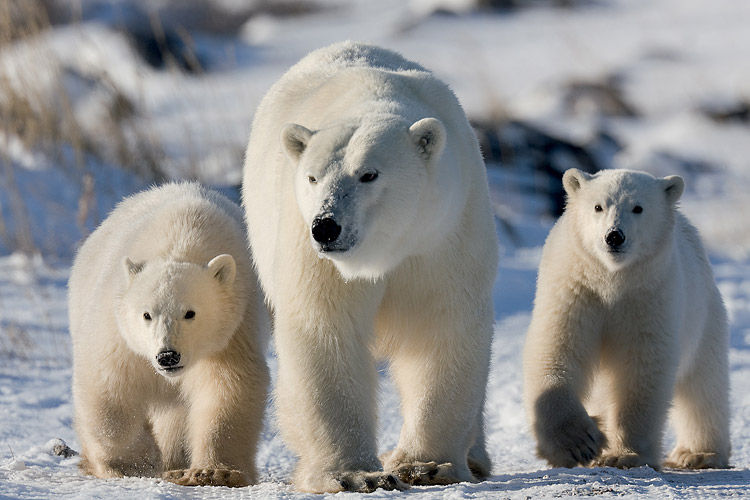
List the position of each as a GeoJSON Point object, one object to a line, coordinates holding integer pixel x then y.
{"type": "Point", "coordinates": [24, 115]}
{"type": "Point", "coordinates": [41, 115]}
{"type": "Point", "coordinates": [36, 110]}
{"type": "Point", "coordinates": [21, 19]}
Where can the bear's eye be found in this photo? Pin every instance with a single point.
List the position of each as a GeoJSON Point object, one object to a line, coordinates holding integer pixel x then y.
{"type": "Point", "coordinates": [637, 209]}
{"type": "Point", "coordinates": [598, 208]}
{"type": "Point", "coordinates": [368, 177]}
{"type": "Point", "coordinates": [147, 316]}
{"type": "Point", "coordinates": [190, 315]}
{"type": "Point", "coordinates": [311, 179]}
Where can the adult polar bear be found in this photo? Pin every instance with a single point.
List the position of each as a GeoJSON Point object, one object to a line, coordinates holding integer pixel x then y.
{"type": "Point", "coordinates": [627, 321]}
{"type": "Point", "coordinates": [369, 219]}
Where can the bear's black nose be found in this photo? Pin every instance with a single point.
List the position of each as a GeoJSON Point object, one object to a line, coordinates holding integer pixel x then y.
{"type": "Point", "coordinates": [325, 230]}
{"type": "Point", "coordinates": [615, 238]}
{"type": "Point", "coordinates": [168, 359]}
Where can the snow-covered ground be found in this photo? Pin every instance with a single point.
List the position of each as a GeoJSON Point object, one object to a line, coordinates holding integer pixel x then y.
{"type": "Point", "coordinates": [36, 407]}
{"type": "Point", "coordinates": [676, 63]}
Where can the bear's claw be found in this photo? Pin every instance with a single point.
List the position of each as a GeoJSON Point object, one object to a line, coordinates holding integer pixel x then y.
{"type": "Point", "coordinates": [206, 477]}
{"type": "Point", "coordinates": [566, 435]}
{"type": "Point", "coordinates": [426, 473]}
{"type": "Point", "coordinates": [685, 459]}
{"type": "Point", "coordinates": [367, 482]}
{"type": "Point", "coordinates": [622, 461]}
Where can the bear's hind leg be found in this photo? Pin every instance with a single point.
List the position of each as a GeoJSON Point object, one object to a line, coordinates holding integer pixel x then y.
{"type": "Point", "coordinates": [168, 424]}
{"type": "Point", "coordinates": [640, 396]}
{"type": "Point", "coordinates": [701, 412]}
{"type": "Point", "coordinates": [479, 461]}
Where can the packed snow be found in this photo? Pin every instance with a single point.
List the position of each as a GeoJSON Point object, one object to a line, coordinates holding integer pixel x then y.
{"type": "Point", "coordinates": [680, 67]}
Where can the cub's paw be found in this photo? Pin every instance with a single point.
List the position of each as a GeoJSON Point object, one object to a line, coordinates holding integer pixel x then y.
{"type": "Point", "coordinates": [367, 482]}
{"type": "Point", "coordinates": [206, 477]}
{"type": "Point", "coordinates": [427, 473]}
{"type": "Point", "coordinates": [623, 461]}
{"type": "Point", "coordinates": [570, 442]}
{"type": "Point", "coordinates": [682, 458]}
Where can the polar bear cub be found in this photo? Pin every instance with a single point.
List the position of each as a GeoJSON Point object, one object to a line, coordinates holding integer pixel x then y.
{"type": "Point", "coordinates": [627, 322]}
{"type": "Point", "coordinates": [369, 218]}
{"type": "Point", "coordinates": [167, 325]}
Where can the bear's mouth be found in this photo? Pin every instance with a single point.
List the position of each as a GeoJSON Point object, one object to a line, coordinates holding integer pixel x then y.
{"type": "Point", "coordinates": [338, 247]}
{"type": "Point", "coordinates": [618, 255]}
{"type": "Point", "coordinates": [332, 248]}
{"type": "Point", "coordinates": [621, 250]}
{"type": "Point", "coordinates": [170, 371]}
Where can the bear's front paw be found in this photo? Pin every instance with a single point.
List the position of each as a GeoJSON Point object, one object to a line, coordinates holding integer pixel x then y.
{"type": "Point", "coordinates": [623, 461]}
{"type": "Point", "coordinates": [428, 473]}
{"type": "Point", "coordinates": [206, 477]}
{"type": "Point", "coordinates": [682, 458]}
{"type": "Point", "coordinates": [569, 442]}
{"type": "Point", "coordinates": [367, 482]}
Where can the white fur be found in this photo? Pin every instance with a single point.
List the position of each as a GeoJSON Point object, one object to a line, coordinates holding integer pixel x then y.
{"type": "Point", "coordinates": [167, 251]}
{"type": "Point", "coordinates": [411, 280]}
{"type": "Point", "coordinates": [626, 335]}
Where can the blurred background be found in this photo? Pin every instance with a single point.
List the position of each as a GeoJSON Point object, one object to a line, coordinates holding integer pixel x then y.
{"type": "Point", "coordinates": [99, 98]}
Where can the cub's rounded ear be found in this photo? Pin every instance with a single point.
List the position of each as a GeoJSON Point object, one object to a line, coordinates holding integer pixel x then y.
{"type": "Point", "coordinates": [428, 136]}
{"type": "Point", "coordinates": [223, 268]}
{"type": "Point", "coordinates": [573, 179]}
{"type": "Point", "coordinates": [674, 186]}
{"type": "Point", "coordinates": [294, 139]}
{"type": "Point", "coordinates": [131, 268]}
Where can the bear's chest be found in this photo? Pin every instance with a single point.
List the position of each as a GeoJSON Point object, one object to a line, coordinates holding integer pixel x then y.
{"type": "Point", "coordinates": [638, 316]}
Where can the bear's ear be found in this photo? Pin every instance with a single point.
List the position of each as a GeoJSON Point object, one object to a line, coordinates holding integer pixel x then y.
{"type": "Point", "coordinates": [428, 135]}
{"type": "Point", "coordinates": [673, 188]}
{"type": "Point", "coordinates": [131, 268]}
{"type": "Point", "coordinates": [223, 268]}
{"type": "Point", "coordinates": [573, 179]}
{"type": "Point", "coordinates": [294, 139]}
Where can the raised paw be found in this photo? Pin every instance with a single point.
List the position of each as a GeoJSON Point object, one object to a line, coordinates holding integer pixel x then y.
{"type": "Point", "coordinates": [367, 482]}
{"type": "Point", "coordinates": [566, 435]}
{"type": "Point", "coordinates": [206, 477]}
{"type": "Point", "coordinates": [682, 458]}
{"type": "Point", "coordinates": [426, 473]}
{"type": "Point", "coordinates": [622, 461]}
{"type": "Point", "coordinates": [578, 442]}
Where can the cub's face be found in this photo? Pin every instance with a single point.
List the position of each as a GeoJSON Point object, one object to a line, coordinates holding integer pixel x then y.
{"type": "Point", "coordinates": [621, 217]}
{"type": "Point", "coordinates": [358, 188]}
{"type": "Point", "coordinates": [173, 313]}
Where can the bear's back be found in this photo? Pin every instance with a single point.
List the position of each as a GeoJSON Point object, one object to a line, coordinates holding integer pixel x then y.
{"type": "Point", "coordinates": [344, 79]}
{"type": "Point", "coordinates": [323, 63]}
{"type": "Point", "coordinates": [183, 221]}
{"type": "Point", "coordinates": [188, 223]}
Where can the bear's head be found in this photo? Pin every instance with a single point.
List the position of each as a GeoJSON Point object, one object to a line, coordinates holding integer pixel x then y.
{"type": "Point", "coordinates": [358, 186]}
{"type": "Point", "coordinates": [175, 313]}
{"type": "Point", "coordinates": [621, 216]}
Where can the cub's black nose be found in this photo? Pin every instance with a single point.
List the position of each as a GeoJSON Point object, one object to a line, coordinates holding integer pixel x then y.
{"type": "Point", "coordinates": [168, 359]}
{"type": "Point", "coordinates": [614, 238]}
{"type": "Point", "coordinates": [325, 230]}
